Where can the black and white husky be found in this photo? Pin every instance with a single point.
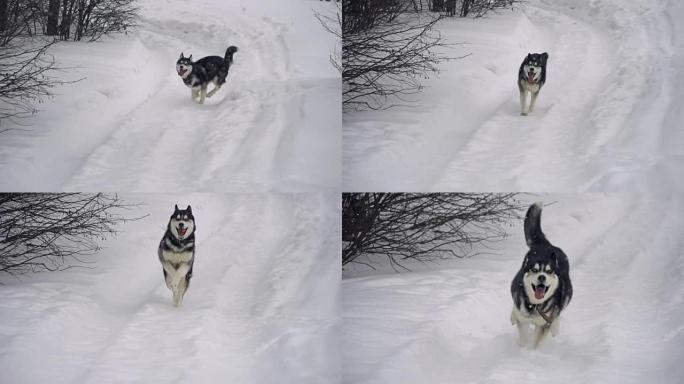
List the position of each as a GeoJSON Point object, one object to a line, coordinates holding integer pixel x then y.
{"type": "Point", "coordinates": [542, 287]}
{"type": "Point", "coordinates": [531, 79]}
{"type": "Point", "coordinates": [177, 252]}
{"type": "Point", "coordinates": [211, 69]}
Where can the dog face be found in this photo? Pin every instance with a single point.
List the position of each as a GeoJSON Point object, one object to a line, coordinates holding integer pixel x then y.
{"type": "Point", "coordinates": [540, 278]}
{"type": "Point", "coordinates": [184, 66]}
{"type": "Point", "coordinates": [533, 66]}
{"type": "Point", "coordinates": [182, 223]}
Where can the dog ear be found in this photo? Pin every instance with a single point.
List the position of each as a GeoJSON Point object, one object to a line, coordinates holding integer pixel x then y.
{"type": "Point", "coordinates": [181, 57]}
{"type": "Point", "coordinates": [176, 208]}
{"type": "Point", "coordinates": [190, 57]}
{"type": "Point", "coordinates": [545, 56]}
{"type": "Point", "coordinates": [189, 209]}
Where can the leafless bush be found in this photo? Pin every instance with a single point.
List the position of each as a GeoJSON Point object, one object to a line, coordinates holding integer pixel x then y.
{"type": "Point", "coordinates": [423, 227]}
{"type": "Point", "coordinates": [25, 77]}
{"type": "Point", "coordinates": [52, 231]}
{"type": "Point", "coordinates": [386, 48]}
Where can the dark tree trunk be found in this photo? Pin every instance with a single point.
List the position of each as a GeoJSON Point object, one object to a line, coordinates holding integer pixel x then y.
{"type": "Point", "coordinates": [3, 15]}
{"type": "Point", "coordinates": [53, 18]}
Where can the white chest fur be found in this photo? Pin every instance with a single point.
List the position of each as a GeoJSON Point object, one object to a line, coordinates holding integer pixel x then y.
{"type": "Point", "coordinates": [530, 87]}
{"type": "Point", "coordinates": [524, 316]}
{"type": "Point", "coordinates": [177, 257]}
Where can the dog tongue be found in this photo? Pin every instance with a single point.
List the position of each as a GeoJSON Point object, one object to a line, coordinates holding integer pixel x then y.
{"type": "Point", "coordinates": [181, 231]}
{"type": "Point", "coordinates": [539, 292]}
{"type": "Point", "coordinates": [530, 77]}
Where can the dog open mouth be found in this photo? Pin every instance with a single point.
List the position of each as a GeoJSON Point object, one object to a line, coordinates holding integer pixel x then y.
{"type": "Point", "coordinates": [182, 230]}
{"type": "Point", "coordinates": [182, 72]}
{"type": "Point", "coordinates": [539, 291]}
{"type": "Point", "coordinates": [530, 77]}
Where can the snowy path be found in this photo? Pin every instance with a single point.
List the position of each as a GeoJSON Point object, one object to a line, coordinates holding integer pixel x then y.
{"type": "Point", "coordinates": [131, 125]}
{"type": "Point", "coordinates": [624, 324]}
{"type": "Point", "coordinates": [259, 308]}
{"type": "Point", "coordinates": [605, 119]}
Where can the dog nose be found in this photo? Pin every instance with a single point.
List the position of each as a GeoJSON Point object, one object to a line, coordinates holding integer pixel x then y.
{"type": "Point", "coordinates": [180, 225]}
{"type": "Point", "coordinates": [541, 278]}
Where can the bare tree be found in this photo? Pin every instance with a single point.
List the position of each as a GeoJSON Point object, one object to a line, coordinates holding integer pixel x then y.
{"type": "Point", "coordinates": [387, 46]}
{"type": "Point", "coordinates": [423, 227]}
{"type": "Point", "coordinates": [53, 231]}
{"type": "Point", "coordinates": [93, 19]}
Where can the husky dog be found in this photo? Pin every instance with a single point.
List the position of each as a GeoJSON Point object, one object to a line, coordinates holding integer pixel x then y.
{"type": "Point", "coordinates": [531, 78]}
{"type": "Point", "coordinates": [542, 287]}
{"type": "Point", "coordinates": [177, 252]}
{"type": "Point", "coordinates": [211, 69]}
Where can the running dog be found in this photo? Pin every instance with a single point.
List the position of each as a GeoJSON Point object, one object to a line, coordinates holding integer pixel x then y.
{"type": "Point", "coordinates": [198, 74]}
{"type": "Point", "coordinates": [177, 252]}
{"type": "Point", "coordinates": [531, 79]}
{"type": "Point", "coordinates": [542, 287]}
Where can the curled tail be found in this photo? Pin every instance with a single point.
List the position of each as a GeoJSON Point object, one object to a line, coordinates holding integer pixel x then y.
{"type": "Point", "coordinates": [229, 54]}
{"type": "Point", "coordinates": [533, 231]}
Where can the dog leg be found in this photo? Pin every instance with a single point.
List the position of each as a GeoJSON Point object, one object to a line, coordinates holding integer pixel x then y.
{"type": "Point", "coordinates": [540, 333]}
{"type": "Point", "coordinates": [555, 327]}
{"type": "Point", "coordinates": [216, 88]}
{"type": "Point", "coordinates": [203, 94]}
{"type": "Point", "coordinates": [534, 100]}
{"type": "Point", "coordinates": [523, 103]}
{"type": "Point", "coordinates": [523, 330]}
{"type": "Point", "coordinates": [182, 288]}
{"type": "Point", "coordinates": [180, 275]}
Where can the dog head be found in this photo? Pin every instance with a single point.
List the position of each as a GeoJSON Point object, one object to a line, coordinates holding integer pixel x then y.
{"type": "Point", "coordinates": [533, 66]}
{"type": "Point", "coordinates": [540, 274]}
{"type": "Point", "coordinates": [184, 66]}
{"type": "Point", "coordinates": [182, 223]}
{"type": "Point", "coordinates": [545, 273]}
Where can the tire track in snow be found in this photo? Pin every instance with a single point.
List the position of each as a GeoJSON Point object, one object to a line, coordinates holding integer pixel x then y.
{"type": "Point", "coordinates": [169, 142]}
{"type": "Point", "coordinates": [511, 152]}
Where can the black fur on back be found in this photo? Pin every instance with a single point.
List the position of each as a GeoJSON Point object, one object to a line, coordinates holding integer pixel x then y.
{"type": "Point", "coordinates": [543, 252]}
{"type": "Point", "coordinates": [539, 59]}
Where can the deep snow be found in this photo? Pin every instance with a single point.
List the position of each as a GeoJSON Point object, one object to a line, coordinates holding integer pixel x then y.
{"type": "Point", "coordinates": [606, 120]}
{"type": "Point", "coordinates": [450, 323]}
{"type": "Point", "coordinates": [262, 305]}
{"type": "Point", "coordinates": [130, 125]}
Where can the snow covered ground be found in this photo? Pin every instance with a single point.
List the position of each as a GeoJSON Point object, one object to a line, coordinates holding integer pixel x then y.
{"type": "Point", "coordinates": [625, 323]}
{"type": "Point", "coordinates": [608, 118]}
{"type": "Point", "coordinates": [130, 125]}
{"type": "Point", "coordinates": [262, 306]}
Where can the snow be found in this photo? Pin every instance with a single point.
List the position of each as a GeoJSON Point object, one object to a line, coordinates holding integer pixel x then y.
{"type": "Point", "coordinates": [130, 124]}
{"type": "Point", "coordinates": [449, 323]}
{"type": "Point", "coordinates": [261, 307]}
{"type": "Point", "coordinates": [606, 120]}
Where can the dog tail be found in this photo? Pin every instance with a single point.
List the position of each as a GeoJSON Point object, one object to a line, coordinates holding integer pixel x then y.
{"type": "Point", "coordinates": [229, 54]}
{"type": "Point", "coordinates": [533, 231]}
